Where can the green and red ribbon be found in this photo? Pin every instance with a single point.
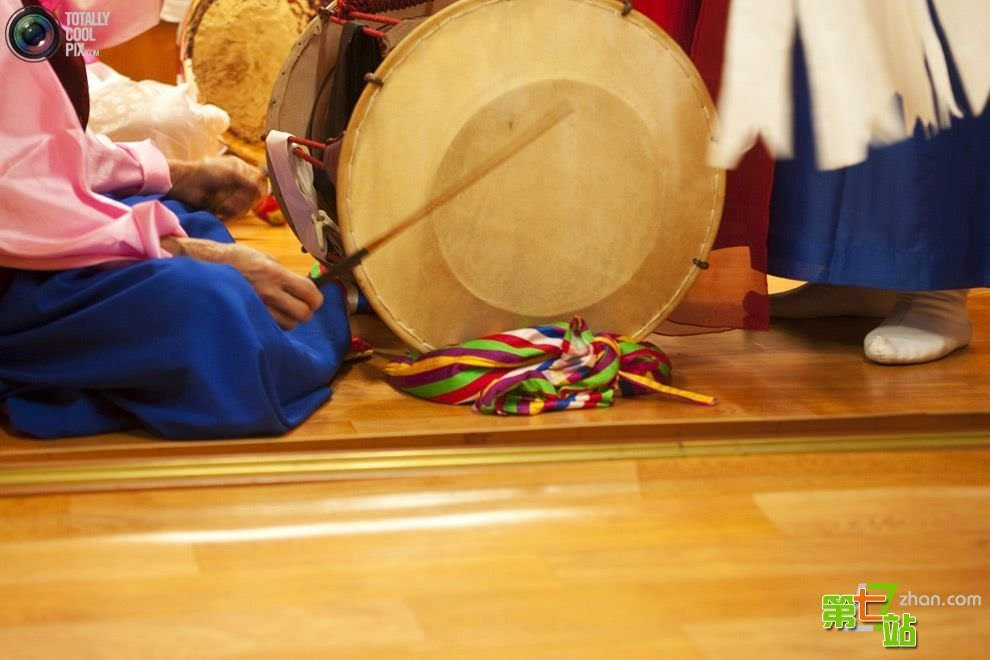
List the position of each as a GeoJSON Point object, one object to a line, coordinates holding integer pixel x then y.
{"type": "Point", "coordinates": [560, 366]}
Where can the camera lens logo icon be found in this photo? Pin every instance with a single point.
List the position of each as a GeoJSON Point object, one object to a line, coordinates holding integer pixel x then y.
{"type": "Point", "coordinates": [32, 34]}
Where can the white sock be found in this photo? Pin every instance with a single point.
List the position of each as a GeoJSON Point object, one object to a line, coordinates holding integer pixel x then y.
{"type": "Point", "coordinates": [924, 326]}
{"type": "Point", "coordinates": [820, 300]}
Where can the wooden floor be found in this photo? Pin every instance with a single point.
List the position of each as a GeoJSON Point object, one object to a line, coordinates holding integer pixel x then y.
{"type": "Point", "coordinates": [695, 556]}
{"type": "Point", "coordinates": [802, 379]}
{"type": "Point", "coordinates": [669, 558]}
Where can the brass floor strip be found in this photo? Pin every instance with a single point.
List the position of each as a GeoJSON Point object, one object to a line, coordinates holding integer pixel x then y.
{"type": "Point", "coordinates": [335, 464]}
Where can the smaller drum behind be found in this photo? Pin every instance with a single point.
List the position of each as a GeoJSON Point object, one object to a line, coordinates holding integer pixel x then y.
{"type": "Point", "coordinates": [233, 51]}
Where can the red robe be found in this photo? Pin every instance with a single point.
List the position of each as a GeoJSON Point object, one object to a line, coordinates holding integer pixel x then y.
{"type": "Point", "coordinates": [732, 293]}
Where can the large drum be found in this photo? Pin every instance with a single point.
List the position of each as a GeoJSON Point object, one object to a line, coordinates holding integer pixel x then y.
{"type": "Point", "coordinates": [609, 215]}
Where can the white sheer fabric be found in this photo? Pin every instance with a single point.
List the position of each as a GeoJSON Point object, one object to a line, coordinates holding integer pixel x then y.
{"type": "Point", "coordinates": [861, 56]}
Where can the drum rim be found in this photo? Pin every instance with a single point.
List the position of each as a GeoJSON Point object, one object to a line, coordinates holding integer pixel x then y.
{"type": "Point", "coordinates": [310, 42]}
{"type": "Point", "coordinates": [313, 30]}
{"type": "Point", "coordinates": [396, 55]}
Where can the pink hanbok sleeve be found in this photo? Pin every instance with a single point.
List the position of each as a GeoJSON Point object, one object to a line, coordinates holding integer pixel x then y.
{"type": "Point", "coordinates": [53, 215]}
{"type": "Point", "coordinates": [125, 168]}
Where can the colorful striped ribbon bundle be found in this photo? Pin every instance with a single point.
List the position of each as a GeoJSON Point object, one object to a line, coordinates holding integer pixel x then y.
{"type": "Point", "coordinates": [561, 366]}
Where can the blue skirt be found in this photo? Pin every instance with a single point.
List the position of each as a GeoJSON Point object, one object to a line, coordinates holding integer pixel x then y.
{"type": "Point", "coordinates": [913, 216]}
{"type": "Point", "coordinates": [182, 348]}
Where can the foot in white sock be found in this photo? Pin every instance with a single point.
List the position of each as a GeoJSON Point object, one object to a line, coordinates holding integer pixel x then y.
{"type": "Point", "coordinates": [821, 300]}
{"type": "Point", "coordinates": [924, 326]}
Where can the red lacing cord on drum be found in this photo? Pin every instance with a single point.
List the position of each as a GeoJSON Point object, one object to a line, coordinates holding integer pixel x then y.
{"type": "Point", "coordinates": [377, 6]}
{"type": "Point", "coordinates": [301, 153]}
{"type": "Point", "coordinates": [367, 10]}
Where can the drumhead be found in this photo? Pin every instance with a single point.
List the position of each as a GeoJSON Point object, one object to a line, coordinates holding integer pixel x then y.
{"type": "Point", "coordinates": [609, 215]}
{"type": "Point", "coordinates": [233, 50]}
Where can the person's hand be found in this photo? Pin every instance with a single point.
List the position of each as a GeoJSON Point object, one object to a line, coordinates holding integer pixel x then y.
{"type": "Point", "coordinates": [225, 185]}
{"type": "Point", "coordinates": [290, 298]}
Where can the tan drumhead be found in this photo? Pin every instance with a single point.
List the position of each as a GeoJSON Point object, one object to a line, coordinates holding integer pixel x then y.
{"type": "Point", "coordinates": [233, 50]}
{"type": "Point", "coordinates": [603, 216]}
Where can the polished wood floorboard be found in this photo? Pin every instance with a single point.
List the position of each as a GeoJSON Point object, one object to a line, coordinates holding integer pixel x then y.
{"type": "Point", "coordinates": [801, 378]}
{"type": "Point", "coordinates": [672, 558]}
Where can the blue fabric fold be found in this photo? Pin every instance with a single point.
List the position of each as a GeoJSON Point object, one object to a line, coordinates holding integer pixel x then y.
{"type": "Point", "coordinates": [913, 216]}
{"type": "Point", "coordinates": [181, 348]}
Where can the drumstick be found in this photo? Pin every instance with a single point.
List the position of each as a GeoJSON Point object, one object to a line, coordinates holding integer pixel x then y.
{"type": "Point", "coordinates": [508, 150]}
